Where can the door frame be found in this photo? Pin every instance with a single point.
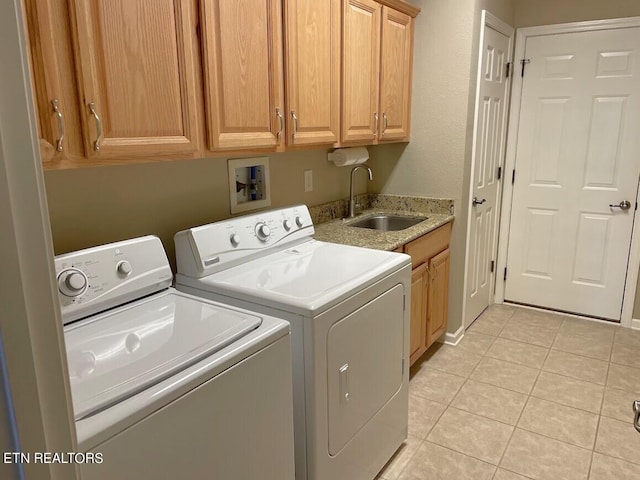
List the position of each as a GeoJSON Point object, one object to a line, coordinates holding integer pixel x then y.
{"type": "Point", "coordinates": [36, 384]}
{"type": "Point", "coordinates": [487, 19]}
{"type": "Point", "coordinates": [522, 34]}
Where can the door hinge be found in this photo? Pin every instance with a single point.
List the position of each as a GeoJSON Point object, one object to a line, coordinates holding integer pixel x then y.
{"type": "Point", "coordinates": [508, 65]}
{"type": "Point", "coordinates": [499, 173]}
{"type": "Point", "coordinates": [523, 62]}
{"type": "Point", "coordinates": [513, 177]}
{"type": "Point", "coordinates": [505, 274]}
{"type": "Point", "coordinates": [492, 265]}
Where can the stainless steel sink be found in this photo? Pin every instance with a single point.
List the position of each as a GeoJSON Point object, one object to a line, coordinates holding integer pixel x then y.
{"type": "Point", "coordinates": [387, 223]}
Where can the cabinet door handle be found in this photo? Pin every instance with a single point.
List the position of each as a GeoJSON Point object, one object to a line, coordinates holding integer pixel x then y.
{"type": "Point", "coordinates": [475, 201]}
{"type": "Point", "coordinates": [96, 144]}
{"type": "Point", "coordinates": [636, 411]}
{"type": "Point", "coordinates": [56, 110]}
{"type": "Point", "coordinates": [375, 124]}
{"type": "Point", "coordinates": [295, 124]}
{"type": "Point", "coordinates": [384, 124]}
{"type": "Point", "coordinates": [281, 119]}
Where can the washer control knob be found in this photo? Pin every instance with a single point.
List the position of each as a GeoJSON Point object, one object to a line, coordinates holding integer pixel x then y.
{"type": "Point", "coordinates": [263, 231]}
{"type": "Point", "coordinates": [124, 268]}
{"type": "Point", "coordinates": [234, 239]}
{"type": "Point", "coordinates": [299, 221]}
{"type": "Point", "coordinates": [287, 225]}
{"type": "Point", "coordinates": [72, 282]}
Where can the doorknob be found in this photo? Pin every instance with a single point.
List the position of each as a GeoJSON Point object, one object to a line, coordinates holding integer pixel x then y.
{"type": "Point", "coordinates": [623, 205]}
{"type": "Point", "coordinates": [475, 201]}
{"type": "Point", "coordinates": [636, 411]}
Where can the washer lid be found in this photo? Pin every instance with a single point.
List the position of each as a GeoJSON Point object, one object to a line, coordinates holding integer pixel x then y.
{"type": "Point", "coordinates": [115, 355]}
{"type": "Point", "coordinates": [307, 278]}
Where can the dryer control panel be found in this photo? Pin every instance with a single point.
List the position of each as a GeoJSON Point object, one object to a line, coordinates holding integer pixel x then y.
{"type": "Point", "coordinates": [204, 250]}
{"type": "Point", "coordinates": [95, 279]}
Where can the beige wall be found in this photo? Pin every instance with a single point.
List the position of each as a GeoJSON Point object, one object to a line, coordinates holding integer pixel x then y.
{"type": "Point", "coordinates": [437, 160]}
{"type": "Point", "coordinates": [636, 304]}
{"type": "Point", "coordinates": [546, 12]}
{"type": "Point", "coordinates": [92, 206]}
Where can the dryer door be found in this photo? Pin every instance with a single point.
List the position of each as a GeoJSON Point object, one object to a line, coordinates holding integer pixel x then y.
{"type": "Point", "coordinates": [365, 365]}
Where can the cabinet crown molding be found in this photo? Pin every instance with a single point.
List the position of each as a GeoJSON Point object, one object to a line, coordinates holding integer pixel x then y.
{"type": "Point", "coordinates": [401, 6]}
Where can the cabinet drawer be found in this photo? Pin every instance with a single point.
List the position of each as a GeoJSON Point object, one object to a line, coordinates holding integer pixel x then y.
{"type": "Point", "coordinates": [423, 248]}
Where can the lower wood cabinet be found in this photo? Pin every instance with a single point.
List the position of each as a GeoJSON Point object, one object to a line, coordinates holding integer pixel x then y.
{"type": "Point", "coordinates": [429, 289]}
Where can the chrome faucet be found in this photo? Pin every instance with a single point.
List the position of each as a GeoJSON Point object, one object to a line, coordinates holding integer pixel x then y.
{"type": "Point", "coordinates": [352, 202]}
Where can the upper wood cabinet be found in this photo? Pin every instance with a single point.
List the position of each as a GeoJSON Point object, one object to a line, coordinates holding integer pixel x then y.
{"type": "Point", "coordinates": [137, 78]}
{"type": "Point", "coordinates": [377, 70]}
{"type": "Point", "coordinates": [312, 65]}
{"type": "Point", "coordinates": [360, 70]}
{"type": "Point", "coordinates": [242, 63]}
{"type": "Point", "coordinates": [395, 74]}
{"type": "Point", "coordinates": [117, 81]}
{"type": "Point", "coordinates": [54, 86]}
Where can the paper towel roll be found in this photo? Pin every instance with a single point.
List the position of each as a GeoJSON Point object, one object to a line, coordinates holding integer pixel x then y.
{"type": "Point", "coordinates": [343, 157]}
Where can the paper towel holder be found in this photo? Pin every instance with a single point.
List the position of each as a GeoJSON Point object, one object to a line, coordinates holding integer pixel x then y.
{"type": "Point", "coordinates": [349, 156]}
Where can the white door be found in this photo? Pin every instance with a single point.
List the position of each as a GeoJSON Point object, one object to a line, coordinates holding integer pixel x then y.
{"type": "Point", "coordinates": [489, 147]}
{"type": "Point", "coordinates": [577, 158]}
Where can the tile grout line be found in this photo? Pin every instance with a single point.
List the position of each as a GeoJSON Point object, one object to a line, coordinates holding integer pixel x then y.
{"type": "Point", "coordinates": [572, 378]}
{"type": "Point", "coordinates": [460, 453]}
{"type": "Point", "coordinates": [595, 442]}
{"type": "Point", "coordinates": [506, 447]}
{"type": "Point", "coordinates": [535, 368]}
{"type": "Point", "coordinates": [604, 387]}
{"type": "Point", "coordinates": [529, 395]}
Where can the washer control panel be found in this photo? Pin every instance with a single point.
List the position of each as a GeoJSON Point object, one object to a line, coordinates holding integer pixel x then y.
{"type": "Point", "coordinates": [204, 250]}
{"type": "Point", "coordinates": [99, 278]}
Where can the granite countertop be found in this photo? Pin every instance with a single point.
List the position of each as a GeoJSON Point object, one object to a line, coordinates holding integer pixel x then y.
{"type": "Point", "coordinates": [338, 229]}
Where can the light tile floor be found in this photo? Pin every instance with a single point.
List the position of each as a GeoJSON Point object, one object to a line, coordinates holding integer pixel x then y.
{"type": "Point", "coordinates": [525, 394]}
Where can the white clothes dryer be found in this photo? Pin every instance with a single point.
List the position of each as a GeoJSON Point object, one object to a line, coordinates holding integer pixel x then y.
{"type": "Point", "coordinates": [348, 309]}
{"type": "Point", "coordinates": [167, 385]}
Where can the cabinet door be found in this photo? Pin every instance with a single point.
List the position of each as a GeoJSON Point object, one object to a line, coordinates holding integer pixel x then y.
{"type": "Point", "coordinates": [137, 80]}
{"type": "Point", "coordinates": [395, 75]}
{"type": "Point", "coordinates": [417, 332]}
{"type": "Point", "coordinates": [312, 62]}
{"type": "Point", "coordinates": [437, 309]}
{"type": "Point", "coordinates": [360, 70]}
{"type": "Point", "coordinates": [242, 60]}
{"type": "Point", "coordinates": [44, 34]}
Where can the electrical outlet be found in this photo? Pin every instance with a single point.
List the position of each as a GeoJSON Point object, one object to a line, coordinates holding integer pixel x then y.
{"type": "Point", "coordinates": [308, 180]}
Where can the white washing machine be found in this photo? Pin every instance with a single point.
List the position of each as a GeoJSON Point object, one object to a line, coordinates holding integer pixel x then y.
{"type": "Point", "coordinates": [167, 385]}
{"type": "Point", "coordinates": [348, 309]}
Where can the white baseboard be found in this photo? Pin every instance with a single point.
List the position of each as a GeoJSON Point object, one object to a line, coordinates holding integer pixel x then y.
{"type": "Point", "coordinates": [453, 338]}
{"type": "Point", "coordinates": [635, 323]}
